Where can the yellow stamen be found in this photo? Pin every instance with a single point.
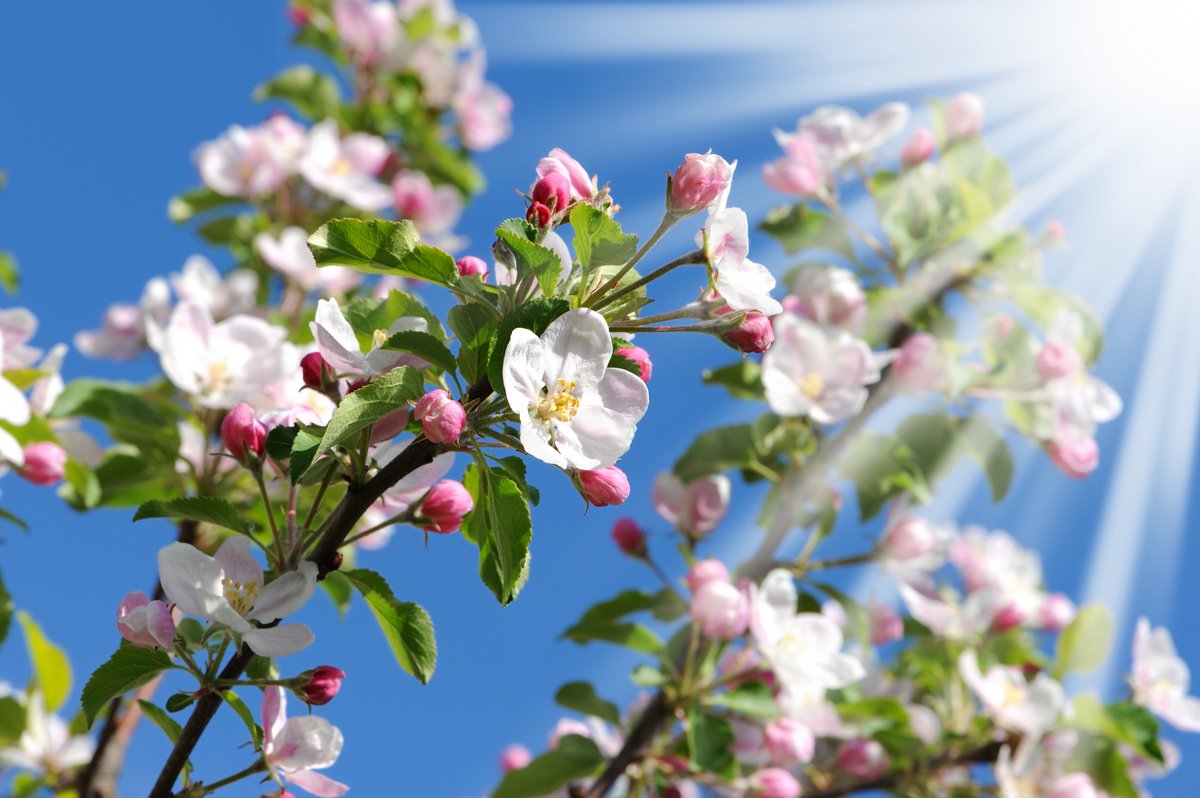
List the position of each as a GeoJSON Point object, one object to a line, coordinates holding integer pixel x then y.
{"type": "Point", "coordinates": [811, 385]}
{"type": "Point", "coordinates": [379, 338]}
{"type": "Point", "coordinates": [240, 595]}
{"type": "Point", "coordinates": [561, 405]}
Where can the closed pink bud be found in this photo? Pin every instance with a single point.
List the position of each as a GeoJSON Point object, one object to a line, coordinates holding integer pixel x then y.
{"type": "Point", "coordinates": [789, 742]}
{"type": "Point", "coordinates": [444, 506]}
{"type": "Point", "coordinates": [774, 783]}
{"type": "Point", "coordinates": [705, 571]}
{"type": "Point", "coordinates": [964, 116]}
{"type": "Point", "coordinates": [908, 539]}
{"type": "Point", "coordinates": [315, 371]}
{"type": "Point", "coordinates": [299, 16]}
{"type": "Point", "coordinates": [754, 335]}
{"type": "Point", "coordinates": [1010, 616]}
{"type": "Point", "coordinates": [918, 148]}
{"type": "Point", "coordinates": [698, 182]}
{"type": "Point", "coordinates": [1073, 785]}
{"type": "Point", "coordinates": [863, 759]}
{"type": "Point", "coordinates": [538, 214]}
{"type": "Point", "coordinates": [721, 609]}
{"type": "Point", "coordinates": [1075, 457]}
{"type": "Point", "coordinates": [471, 266]}
{"type": "Point", "coordinates": [552, 190]}
{"type": "Point", "coordinates": [442, 419]}
{"type": "Point", "coordinates": [45, 463]}
{"type": "Point", "coordinates": [1056, 612]}
{"type": "Point", "coordinates": [886, 624]}
{"type": "Point", "coordinates": [641, 358]}
{"type": "Point", "coordinates": [604, 487]}
{"type": "Point", "coordinates": [1057, 360]}
{"type": "Point", "coordinates": [919, 364]}
{"type": "Point", "coordinates": [515, 757]}
{"type": "Point", "coordinates": [244, 435]}
{"type": "Point", "coordinates": [145, 623]}
{"type": "Point", "coordinates": [629, 537]}
{"type": "Point", "coordinates": [320, 685]}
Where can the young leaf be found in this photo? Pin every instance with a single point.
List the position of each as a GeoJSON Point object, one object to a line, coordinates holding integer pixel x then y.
{"type": "Point", "coordinates": [208, 509]}
{"type": "Point", "coordinates": [599, 240]}
{"type": "Point", "coordinates": [581, 697]}
{"type": "Point", "coordinates": [751, 698]}
{"type": "Point", "coordinates": [501, 527]}
{"type": "Point", "coordinates": [533, 258]}
{"type": "Point", "coordinates": [243, 712]}
{"type": "Point", "coordinates": [473, 325]}
{"type": "Point", "coordinates": [717, 450]}
{"type": "Point", "coordinates": [127, 669]}
{"type": "Point", "coordinates": [407, 627]}
{"type": "Point", "coordinates": [424, 346]}
{"type": "Point", "coordinates": [798, 227]}
{"type": "Point", "coordinates": [50, 665]}
{"type": "Point", "coordinates": [370, 403]}
{"type": "Point", "coordinates": [710, 740]}
{"type": "Point", "coordinates": [575, 758]}
{"type": "Point", "coordinates": [1084, 644]}
{"type": "Point", "coordinates": [304, 451]}
{"type": "Point", "coordinates": [12, 721]}
{"type": "Point", "coordinates": [313, 93]}
{"type": "Point", "coordinates": [379, 246]}
{"type": "Point", "coordinates": [743, 379]}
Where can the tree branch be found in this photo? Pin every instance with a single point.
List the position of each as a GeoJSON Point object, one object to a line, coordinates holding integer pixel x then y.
{"type": "Point", "coordinates": [985, 754]}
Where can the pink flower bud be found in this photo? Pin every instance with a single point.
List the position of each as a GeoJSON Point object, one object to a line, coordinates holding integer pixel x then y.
{"type": "Point", "coordinates": [721, 609]}
{"type": "Point", "coordinates": [604, 487]}
{"type": "Point", "coordinates": [471, 266]}
{"type": "Point", "coordinates": [698, 182]}
{"type": "Point", "coordinates": [1056, 612]}
{"type": "Point", "coordinates": [863, 759]}
{"type": "Point", "coordinates": [552, 190]}
{"type": "Point", "coordinates": [919, 365]}
{"type": "Point", "coordinates": [389, 426]}
{"type": "Point", "coordinates": [964, 116]}
{"type": "Point", "coordinates": [629, 537]}
{"type": "Point", "coordinates": [315, 371]}
{"type": "Point", "coordinates": [442, 419]}
{"type": "Point", "coordinates": [798, 171]}
{"type": "Point", "coordinates": [1055, 232]}
{"type": "Point", "coordinates": [444, 506]}
{"type": "Point", "coordinates": [45, 463]}
{"type": "Point", "coordinates": [908, 539]}
{"type": "Point", "coordinates": [774, 783]}
{"type": "Point", "coordinates": [1073, 785]}
{"type": "Point", "coordinates": [244, 435]}
{"type": "Point", "coordinates": [695, 508]}
{"type": "Point", "coordinates": [641, 358]}
{"type": "Point", "coordinates": [754, 335]}
{"type": "Point", "coordinates": [1075, 457]}
{"type": "Point", "coordinates": [1010, 616]}
{"type": "Point", "coordinates": [1057, 360]}
{"type": "Point", "coordinates": [705, 571]}
{"type": "Point", "coordinates": [789, 742]}
{"type": "Point", "coordinates": [886, 624]}
{"type": "Point", "coordinates": [145, 623]}
{"type": "Point", "coordinates": [538, 214]}
{"type": "Point", "coordinates": [298, 16]}
{"type": "Point", "coordinates": [515, 757]}
{"type": "Point", "coordinates": [918, 148]}
{"type": "Point", "coordinates": [320, 685]}
{"type": "Point", "coordinates": [559, 161]}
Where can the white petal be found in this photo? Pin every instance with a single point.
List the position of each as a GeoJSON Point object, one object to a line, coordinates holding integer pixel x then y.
{"type": "Point", "coordinates": [310, 742]}
{"type": "Point", "coordinates": [286, 594]}
{"type": "Point", "coordinates": [10, 449]}
{"type": "Point", "coordinates": [595, 438]}
{"type": "Point", "coordinates": [524, 365]}
{"type": "Point", "coordinates": [577, 347]}
{"type": "Point", "coordinates": [279, 641]}
{"type": "Point", "coordinates": [14, 407]}
{"type": "Point", "coordinates": [191, 580]}
{"type": "Point", "coordinates": [535, 439]}
{"type": "Point", "coordinates": [236, 561]}
{"type": "Point", "coordinates": [624, 393]}
{"type": "Point", "coordinates": [317, 784]}
{"type": "Point", "coordinates": [274, 713]}
{"type": "Point", "coordinates": [335, 338]}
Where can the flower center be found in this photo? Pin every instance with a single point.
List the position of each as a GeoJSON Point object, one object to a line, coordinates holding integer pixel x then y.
{"type": "Point", "coordinates": [240, 595]}
{"type": "Point", "coordinates": [561, 405]}
{"type": "Point", "coordinates": [811, 385]}
{"type": "Point", "coordinates": [379, 338]}
{"type": "Point", "coordinates": [341, 166]}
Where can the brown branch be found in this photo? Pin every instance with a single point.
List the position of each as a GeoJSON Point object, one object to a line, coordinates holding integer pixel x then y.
{"type": "Point", "coordinates": [341, 522]}
{"type": "Point", "coordinates": [985, 754]}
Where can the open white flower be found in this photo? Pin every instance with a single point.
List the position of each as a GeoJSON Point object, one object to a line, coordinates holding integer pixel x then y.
{"type": "Point", "coordinates": [294, 748]}
{"type": "Point", "coordinates": [742, 283]}
{"type": "Point", "coordinates": [338, 344]}
{"type": "Point", "coordinates": [200, 282]}
{"type": "Point", "coordinates": [346, 167]}
{"type": "Point", "coordinates": [1011, 701]}
{"type": "Point", "coordinates": [228, 590]}
{"type": "Point", "coordinates": [949, 615]}
{"type": "Point", "coordinates": [820, 372]}
{"type": "Point", "coordinates": [1160, 678]}
{"type": "Point", "coordinates": [46, 745]}
{"type": "Point", "coordinates": [575, 411]}
{"type": "Point", "coordinates": [290, 256]}
{"type": "Point", "coordinates": [843, 138]}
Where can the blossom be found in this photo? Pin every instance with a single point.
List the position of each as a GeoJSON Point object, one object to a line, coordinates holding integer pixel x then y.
{"type": "Point", "coordinates": [582, 187]}
{"type": "Point", "coordinates": [368, 31]}
{"type": "Point", "coordinates": [821, 373]}
{"type": "Point", "coordinates": [1027, 707]}
{"type": "Point", "coordinates": [698, 182]}
{"type": "Point", "coordinates": [918, 148]}
{"type": "Point", "coordinates": [843, 138]}
{"type": "Point", "coordinates": [803, 648]}
{"type": "Point", "coordinates": [45, 463]}
{"type": "Point", "coordinates": [17, 327]}
{"type": "Point", "coordinates": [238, 164]}
{"type": "Point", "coordinates": [200, 283]}
{"type": "Point", "coordinates": [799, 171]}
{"type": "Point", "coordinates": [863, 759]}
{"type": "Point", "coordinates": [228, 590]}
{"type": "Point", "coordinates": [319, 685]}
{"type": "Point", "coordinates": [640, 358]}
{"type": "Point", "coordinates": [471, 266]}
{"type": "Point", "coordinates": [442, 419]}
{"type": "Point", "coordinates": [339, 345]}
{"type": "Point", "coordinates": [774, 783]}
{"type": "Point", "coordinates": [432, 209]}
{"type": "Point", "coordinates": [222, 363]}
{"type": "Point", "coordinates": [829, 296]}
{"type": "Point", "coordinates": [552, 190]}
{"type": "Point", "coordinates": [919, 366]}
{"type": "Point", "coordinates": [963, 116]}
{"type": "Point", "coordinates": [145, 623]}
{"type": "Point", "coordinates": [742, 283]}
{"type": "Point", "coordinates": [604, 487]}
{"type": "Point", "coordinates": [290, 256]}
{"type": "Point", "coordinates": [345, 168]}
{"type": "Point", "coordinates": [46, 745]}
{"type": "Point", "coordinates": [294, 748]}
{"type": "Point", "coordinates": [574, 410]}
{"type": "Point", "coordinates": [514, 757]}
{"type": "Point", "coordinates": [483, 109]}
{"type": "Point", "coordinates": [948, 615]}
{"type": "Point", "coordinates": [721, 609]}
{"type": "Point", "coordinates": [754, 334]}
{"type": "Point", "coordinates": [789, 742]}
{"type": "Point", "coordinates": [123, 331]}
{"type": "Point", "coordinates": [885, 623]}
{"type": "Point", "coordinates": [705, 571]}
{"type": "Point", "coordinates": [1160, 678]}
{"type": "Point", "coordinates": [694, 508]}
{"type": "Point", "coordinates": [995, 560]}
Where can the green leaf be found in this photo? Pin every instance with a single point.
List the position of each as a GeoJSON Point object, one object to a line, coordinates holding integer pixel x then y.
{"type": "Point", "coordinates": [51, 668]}
{"type": "Point", "coordinates": [314, 94]}
{"type": "Point", "coordinates": [238, 706]}
{"type": "Point", "coordinates": [751, 698]}
{"type": "Point", "coordinates": [304, 451]}
{"type": "Point", "coordinates": [377, 313]}
{"type": "Point", "coordinates": [535, 315]}
{"type": "Point", "coordinates": [207, 509]}
{"type": "Point", "coordinates": [1083, 645]}
{"type": "Point", "coordinates": [987, 447]}
{"type": "Point", "coordinates": [743, 379]}
{"type": "Point", "coordinates": [127, 669]}
{"type": "Point", "coordinates": [424, 346]}
{"type": "Point", "coordinates": [407, 627]}
{"type": "Point", "coordinates": [280, 441]}
{"type": "Point", "coordinates": [169, 727]}
{"type": "Point", "coordinates": [717, 450]}
{"type": "Point", "coordinates": [230, 230]}
{"type": "Point", "coordinates": [129, 417]}
{"type": "Point", "coordinates": [6, 611]}
{"type": "Point", "coordinates": [474, 327]}
{"type": "Point", "coordinates": [10, 274]}
{"type": "Point", "coordinates": [798, 228]}
{"type": "Point", "coordinates": [379, 246]}
{"type": "Point", "coordinates": [370, 403]}
{"type": "Point", "coordinates": [581, 697]}
{"type": "Point", "coordinates": [710, 741]}
{"type": "Point", "coordinates": [81, 487]}
{"type": "Point", "coordinates": [1137, 727]}
{"type": "Point", "coordinates": [599, 240]}
{"type": "Point", "coordinates": [180, 701]}
{"type": "Point", "coordinates": [574, 758]}
{"type": "Point", "coordinates": [647, 676]}
{"type": "Point", "coordinates": [12, 721]}
{"type": "Point", "coordinates": [875, 714]}
{"type": "Point", "coordinates": [1041, 303]}
{"type": "Point", "coordinates": [501, 527]}
{"type": "Point", "coordinates": [197, 201]}
{"type": "Point", "coordinates": [533, 258]}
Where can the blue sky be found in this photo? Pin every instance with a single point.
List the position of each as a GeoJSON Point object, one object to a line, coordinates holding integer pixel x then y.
{"type": "Point", "coordinates": [103, 105]}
